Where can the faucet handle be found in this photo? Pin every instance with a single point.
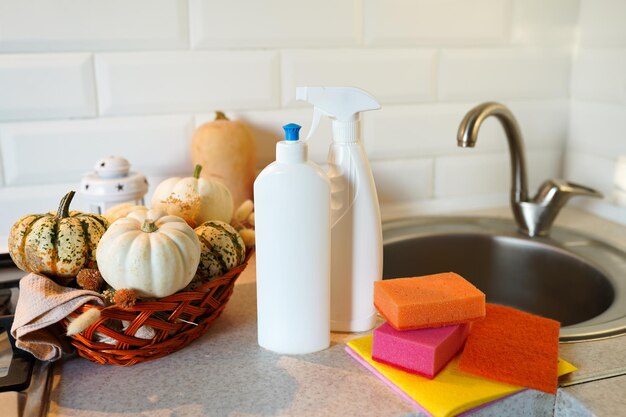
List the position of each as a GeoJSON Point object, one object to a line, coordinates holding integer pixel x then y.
{"type": "Point", "coordinates": [556, 192]}
{"type": "Point", "coordinates": [539, 214]}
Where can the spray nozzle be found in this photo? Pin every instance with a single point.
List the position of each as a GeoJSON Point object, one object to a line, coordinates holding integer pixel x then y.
{"type": "Point", "coordinates": [342, 104]}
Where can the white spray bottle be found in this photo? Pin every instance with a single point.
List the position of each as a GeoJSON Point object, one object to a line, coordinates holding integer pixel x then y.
{"type": "Point", "coordinates": [356, 233]}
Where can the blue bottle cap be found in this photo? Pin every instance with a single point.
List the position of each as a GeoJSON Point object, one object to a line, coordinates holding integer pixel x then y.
{"type": "Point", "coordinates": [292, 131]}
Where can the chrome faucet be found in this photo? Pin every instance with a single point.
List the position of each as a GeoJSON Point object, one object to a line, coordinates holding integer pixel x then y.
{"type": "Point", "coordinates": [535, 216]}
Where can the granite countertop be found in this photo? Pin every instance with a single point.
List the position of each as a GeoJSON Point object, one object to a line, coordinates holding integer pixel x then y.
{"type": "Point", "coordinates": [226, 374]}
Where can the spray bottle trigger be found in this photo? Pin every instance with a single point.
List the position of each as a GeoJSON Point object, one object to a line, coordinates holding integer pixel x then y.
{"type": "Point", "coordinates": [317, 115]}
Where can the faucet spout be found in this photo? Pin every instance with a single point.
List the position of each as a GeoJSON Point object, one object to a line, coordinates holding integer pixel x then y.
{"type": "Point", "coordinates": [468, 134]}
{"type": "Point", "coordinates": [535, 216]}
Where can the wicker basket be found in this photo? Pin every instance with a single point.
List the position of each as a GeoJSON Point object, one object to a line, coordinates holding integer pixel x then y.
{"type": "Point", "coordinates": [177, 320]}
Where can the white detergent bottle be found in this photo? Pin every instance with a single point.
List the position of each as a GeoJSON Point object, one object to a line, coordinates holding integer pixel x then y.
{"type": "Point", "coordinates": [356, 232]}
{"type": "Point", "coordinates": [292, 221]}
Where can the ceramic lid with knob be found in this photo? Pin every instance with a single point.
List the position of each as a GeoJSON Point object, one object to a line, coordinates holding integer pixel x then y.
{"type": "Point", "coordinates": [113, 182]}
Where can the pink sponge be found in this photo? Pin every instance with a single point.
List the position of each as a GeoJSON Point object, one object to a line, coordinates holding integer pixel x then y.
{"type": "Point", "coordinates": [424, 352]}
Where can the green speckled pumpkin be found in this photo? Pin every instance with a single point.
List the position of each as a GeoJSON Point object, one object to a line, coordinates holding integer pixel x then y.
{"type": "Point", "coordinates": [221, 249]}
{"type": "Point", "coordinates": [57, 244]}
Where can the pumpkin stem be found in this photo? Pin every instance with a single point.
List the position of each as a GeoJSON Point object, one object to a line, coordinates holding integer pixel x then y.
{"type": "Point", "coordinates": [148, 226]}
{"type": "Point", "coordinates": [196, 171]}
{"type": "Point", "coordinates": [64, 206]}
{"type": "Point", "coordinates": [219, 115]}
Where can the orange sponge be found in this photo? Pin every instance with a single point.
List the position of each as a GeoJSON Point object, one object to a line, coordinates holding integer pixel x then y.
{"type": "Point", "coordinates": [513, 347]}
{"type": "Point", "coordinates": [428, 301]}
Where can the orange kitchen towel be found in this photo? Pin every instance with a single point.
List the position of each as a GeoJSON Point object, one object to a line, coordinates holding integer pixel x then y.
{"type": "Point", "coordinates": [513, 347]}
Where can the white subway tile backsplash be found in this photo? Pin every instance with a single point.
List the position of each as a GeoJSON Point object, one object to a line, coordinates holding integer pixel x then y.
{"type": "Point", "coordinates": [602, 22]}
{"type": "Point", "coordinates": [62, 151]}
{"type": "Point", "coordinates": [543, 23]}
{"type": "Point", "coordinates": [435, 22]}
{"type": "Point", "coordinates": [404, 131]}
{"type": "Point", "coordinates": [59, 25]}
{"type": "Point", "coordinates": [597, 129]}
{"type": "Point", "coordinates": [274, 23]}
{"type": "Point", "coordinates": [427, 61]}
{"type": "Point", "coordinates": [599, 74]}
{"type": "Point", "coordinates": [468, 176]}
{"type": "Point", "coordinates": [46, 86]}
{"type": "Point", "coordinates": [175, 82]}
{"type": "Point", "coordinates": [423, 130]}
{"type": "Point", "coordinates": [390, 75]}
{"type": "Point", "coordinates": [491, 173]}
{"type": "Point", "coordinates": [541, 166]}
{"type": "Point", "coordinates": [397, 132]}
{"type": "Point", "coordinates": [598, 108]}
{"type": "Point", "coordinates": [439, 206]}
{"type": "Point", "coordinates": [590, 170]}
{"type": "Point", "coordinates": [403, 181]}
{"type": "Point", "coordinates": [503, 73]}
{"type": "Point", "coordinates": [431, 129]}
{"type": "Point", "coordinates": [543, 123]}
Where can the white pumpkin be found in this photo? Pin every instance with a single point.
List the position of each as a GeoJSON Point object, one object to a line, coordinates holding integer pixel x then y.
{"type": "Point", "coordinates": [195, 199]}
{"type": "Point", "coordinates": [151, 252]}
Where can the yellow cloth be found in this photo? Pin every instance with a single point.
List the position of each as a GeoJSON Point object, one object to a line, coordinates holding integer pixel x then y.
{"type": "Point", "coordinates": [451, 392]}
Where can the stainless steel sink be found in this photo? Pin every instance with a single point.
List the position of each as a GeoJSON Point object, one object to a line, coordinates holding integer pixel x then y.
{"type": "Point", "coordinates": [569, 277]}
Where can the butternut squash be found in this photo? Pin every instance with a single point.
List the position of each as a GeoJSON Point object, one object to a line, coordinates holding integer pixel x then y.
{"type": "Point", "coordinates": [226, 150]}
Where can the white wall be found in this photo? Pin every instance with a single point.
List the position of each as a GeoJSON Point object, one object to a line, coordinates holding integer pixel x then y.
{"type": "Point", "coordinates": [598, 104]}
{"type": "Point", "coordinates": [81, 79]}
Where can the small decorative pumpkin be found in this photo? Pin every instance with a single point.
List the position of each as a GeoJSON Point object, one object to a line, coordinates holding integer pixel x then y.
{"type": "Point", "coordinates": [150, 252]}
{"type": "Point", "coordinates": [121, 210]}
{"type": "Point", "coordinates": [243, 222]}
{"type": "Point", "coordinates": [227, 150]}
{"type": "Point", "coordinates": [58, 244]}
{"type": "Point", "coordinates": [222, 249]}
{"type": "Point", "coordinates": [194, 199]}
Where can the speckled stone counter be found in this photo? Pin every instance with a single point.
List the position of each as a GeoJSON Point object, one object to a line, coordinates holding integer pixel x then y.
{"type": "Point", "coordinates": [225, 374]}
